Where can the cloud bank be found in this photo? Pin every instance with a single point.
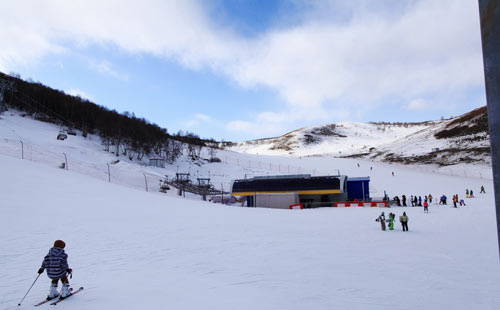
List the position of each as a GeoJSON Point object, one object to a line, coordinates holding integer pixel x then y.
{"type": "Point", "coordinates": [321, 64]}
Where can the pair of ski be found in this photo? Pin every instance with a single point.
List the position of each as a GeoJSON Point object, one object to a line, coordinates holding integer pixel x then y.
{"type": "Point", "coordinates": [58, 300]}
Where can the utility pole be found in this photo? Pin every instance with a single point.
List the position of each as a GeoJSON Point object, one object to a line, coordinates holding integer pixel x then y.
{"type": "Point", "coordinates": [489, 11]}
{"type": "Point", "coordinates": [4, 85]}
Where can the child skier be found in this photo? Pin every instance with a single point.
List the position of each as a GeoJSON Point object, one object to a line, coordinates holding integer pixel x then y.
{"type": "Point", "coordinates": [56, 263]}
{"type": "Point", "coordinates": [426, 205]}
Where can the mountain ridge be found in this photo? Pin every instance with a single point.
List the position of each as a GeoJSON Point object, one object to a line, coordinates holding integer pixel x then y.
{"type": "Point", "coordinates": [464, 138]}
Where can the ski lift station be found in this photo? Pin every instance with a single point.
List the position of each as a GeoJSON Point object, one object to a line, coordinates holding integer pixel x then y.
{"type": "Point", "coordinates": [304, 190]}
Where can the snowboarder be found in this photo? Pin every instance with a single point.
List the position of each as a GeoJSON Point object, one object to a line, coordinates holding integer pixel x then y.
{"type": "Point", "coordinates": [381, 219]}
{"type": "Point", "coordinates": [56, 263]}
{"type": "Point", "coordinates": [426, 207]}
{"type": "Point", "coordinates": [391, 221]}
{"type": "Point", "coordinates": [404, 221]}
{"type": "Point", "coordinates": [482, 190]}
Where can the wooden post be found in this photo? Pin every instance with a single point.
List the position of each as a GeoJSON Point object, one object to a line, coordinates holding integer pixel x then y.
{"type": "Point", "coordinates": [109, 174]}
{"type": "Point", "coordinates": [22, 149]}
{"type": "Point", "coordinates": [66, 159]}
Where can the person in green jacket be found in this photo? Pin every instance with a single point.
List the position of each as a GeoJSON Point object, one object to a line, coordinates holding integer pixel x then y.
{"type": "Point", "coordinates": [391, 221]}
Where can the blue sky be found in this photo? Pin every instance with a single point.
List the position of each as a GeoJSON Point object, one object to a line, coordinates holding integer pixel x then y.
{"type": "Point", "coordinates": [237, 70]}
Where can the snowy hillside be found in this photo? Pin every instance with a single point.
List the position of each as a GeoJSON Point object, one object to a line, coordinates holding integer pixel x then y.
{"type": "Point", "coordinates": [133, 249]}
{"type": "Point", "coordinates": [461, 139]}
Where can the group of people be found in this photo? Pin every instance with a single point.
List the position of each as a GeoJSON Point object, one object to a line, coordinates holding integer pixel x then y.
{"type": "Point", "coordinates": [415, 201]}
{"type": "Point", "coordinates": [470, 194]}
{"type": "Point", "coordinates": [456, 200]}
{"type": "Point", "coordinates": [403, 219]}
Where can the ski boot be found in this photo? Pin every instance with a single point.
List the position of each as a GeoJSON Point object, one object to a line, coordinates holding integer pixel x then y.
{"type": "Point", "coordinates": [53, 292]}
{"type": "Point", "coordinates": [65, 291]}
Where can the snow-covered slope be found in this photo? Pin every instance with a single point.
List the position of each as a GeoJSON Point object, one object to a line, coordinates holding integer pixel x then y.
{"type": "Point", "coordinates": [133, 249]}
{"type": "Point", "coordinates": [461, 139]}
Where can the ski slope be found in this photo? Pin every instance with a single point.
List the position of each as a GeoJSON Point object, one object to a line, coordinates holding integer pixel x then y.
{"type": "Point", "coordinates": [133, 249]}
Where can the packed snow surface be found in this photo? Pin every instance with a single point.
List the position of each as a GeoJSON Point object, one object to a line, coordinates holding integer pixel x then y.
{"type": "Point", "coordinates": [133, 249]}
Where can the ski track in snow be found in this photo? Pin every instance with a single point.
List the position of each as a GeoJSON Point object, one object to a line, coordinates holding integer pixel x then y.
{"type": "Point", "coordinates": [133, 249]}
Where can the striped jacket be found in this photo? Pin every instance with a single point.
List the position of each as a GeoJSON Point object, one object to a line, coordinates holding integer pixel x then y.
{"type": "Point", "coordinates": [56, 263]}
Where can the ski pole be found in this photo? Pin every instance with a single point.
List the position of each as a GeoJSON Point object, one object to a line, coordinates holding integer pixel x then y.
{"type": "Point", "coordinates": [29, 289]}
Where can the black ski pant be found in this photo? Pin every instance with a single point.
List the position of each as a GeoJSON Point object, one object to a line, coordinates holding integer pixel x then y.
{"type": "Point", "coordinates": [405, 226]}
{"type": "Point", "coordinates": [63, 279]}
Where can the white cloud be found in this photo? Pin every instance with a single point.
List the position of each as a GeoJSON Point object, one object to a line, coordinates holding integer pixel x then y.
{"type": "Point", "coordinates": [79, 93]}
{"type": "Point", "coordinates": [198, 119]}
{"type": "Point", "coordinates": [104, 67]}
{"type": "Point", "coordinates": [265, 129]}
{"type": "Point", "coordinates": [419, 50]}
{"type": "Point", "coordinates": [417, 104]}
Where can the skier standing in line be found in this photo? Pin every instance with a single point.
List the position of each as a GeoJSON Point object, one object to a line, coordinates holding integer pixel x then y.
{"type": "Point", "coordinates": [397, 201]}
{"type": "Point", "coordinates": [404, 200]}
{"type": "Point", "coordinates": [430, 198]}
{"type": "Point", "coordinates": [56, 263]}
{"type": "Point", "coordinates": [404, 221]}
{"type": "Point", "coordinates": [381, 219]}
{"type": "Point", "coordinates": [419, 201]}
{"type": "Point", "coordinates": [411, 201]}
{"type": "Point", "coordinates": [415, 200]}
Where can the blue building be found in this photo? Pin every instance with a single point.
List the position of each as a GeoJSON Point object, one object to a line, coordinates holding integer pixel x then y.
{"type": "Point", "coordinates": [358, 189]}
